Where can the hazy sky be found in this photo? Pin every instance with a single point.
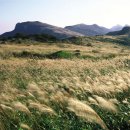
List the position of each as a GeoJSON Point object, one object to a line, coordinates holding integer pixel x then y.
{"type": "Point", "coordinates": [64, 12]}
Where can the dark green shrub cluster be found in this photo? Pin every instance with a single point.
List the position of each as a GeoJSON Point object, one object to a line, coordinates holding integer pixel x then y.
{"type": "Point", "coordinates": [55, 55]}
{"type": "Point", "coordinates": [109, 56]}
{"type": "Point", "coordinates": [27, 54]}
{"type": "Point", "coordinates": [20, 38]}
{"type": "Point", "coordinates": [61, 55]}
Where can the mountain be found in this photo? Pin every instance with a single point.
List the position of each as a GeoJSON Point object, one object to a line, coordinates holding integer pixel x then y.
{"type": "Point", "coordinates": [88, 30]}
{"type": "Point", "coordinates": [36, 27]}
{"type": "Point", "coordinates": [124, 31]}
{"type": "Point", "coordinates": [116, 28]}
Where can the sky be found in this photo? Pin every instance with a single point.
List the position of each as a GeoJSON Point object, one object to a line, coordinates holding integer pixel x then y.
{"type": "Point", "coordinates": [64, 12]}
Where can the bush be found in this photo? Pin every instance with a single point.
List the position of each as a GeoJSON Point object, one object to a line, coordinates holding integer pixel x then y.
{"type": "Point", "coordinates": [95, 51]}
{"type": "Point", "coordinates": [77, 52]}
{"type": "Point", "coordinates": [61, 54]}
{"type": "Point", "coordinates": [75, 40]}
{"type": "Point", "coordinates": [25, 54]}
{"type": "Point", "coordinates": [89, 44]}
{"type": "Point", "coordinates": [109, 56]}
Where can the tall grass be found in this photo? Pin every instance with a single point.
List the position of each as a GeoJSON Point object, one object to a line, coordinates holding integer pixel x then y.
{"type": "Point", "coordinates": [64, 93]}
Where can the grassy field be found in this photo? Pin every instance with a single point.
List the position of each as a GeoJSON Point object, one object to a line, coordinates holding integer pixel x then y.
{"type": "Point", "coordinates": [65, 86]}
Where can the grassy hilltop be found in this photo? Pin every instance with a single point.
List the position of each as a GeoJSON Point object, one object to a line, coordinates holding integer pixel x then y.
{"type": "Point", "coordinates": [75, 84]}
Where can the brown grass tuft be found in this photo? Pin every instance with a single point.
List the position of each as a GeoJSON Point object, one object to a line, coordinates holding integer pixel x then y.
{"type": "Point", "coordinates": [20, 107]}
{"type": "Point", "coordinates": [32, 87]}
{"type": "Point", "coordinates": [6, 108]}
{"type": "Point", "coordinates": [106, 104]}
{"type": "Point", "coordinates": [25, 126]}
{"type": "Point", "coordinates": [85, 111]}
{"type": "Point", "coordinates": [92, 100]}
{"type": "Point", "coordinates": [41, 107]}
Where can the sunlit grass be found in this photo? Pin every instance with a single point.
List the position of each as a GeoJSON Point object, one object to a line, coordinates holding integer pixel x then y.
{"type": "Point", "coordinates": [65, 93]}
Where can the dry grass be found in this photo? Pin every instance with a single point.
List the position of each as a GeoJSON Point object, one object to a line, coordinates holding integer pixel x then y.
{"type": "Point", "coordinates": [86, 112]}
{"type": "Point", "coordinates": [41, 107]}
{"type": "Point", "coordinates": [106, 104]}
{"type": "Point", "coordinates": [20, 107]}
{"type": "Point", "coordinates": [85, 87]}
{"type": "Point", "coordinates": [25, 126]}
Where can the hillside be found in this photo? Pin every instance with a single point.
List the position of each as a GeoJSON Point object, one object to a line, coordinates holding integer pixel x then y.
{"type": "Point", "coordinates": [88, 30]}
{"type": "Point", "coordinates": [124, 31]}
{"type": "Point", "coordinates": [116, 28]}
{"type": "Point", "coordinates": [36, 27]}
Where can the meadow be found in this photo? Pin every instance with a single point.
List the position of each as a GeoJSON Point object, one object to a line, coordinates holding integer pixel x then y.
{"type": "Point", "coordinates": [63, 86]}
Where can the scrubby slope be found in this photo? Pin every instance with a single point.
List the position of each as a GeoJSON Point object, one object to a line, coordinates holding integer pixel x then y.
{"type": "Point", "coordinates": [124, 31]}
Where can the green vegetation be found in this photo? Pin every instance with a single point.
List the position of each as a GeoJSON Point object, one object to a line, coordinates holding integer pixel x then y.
{"type": "Point", "coordinates": [20, 38]}
{"type": "Point", "coordinates": [62, 55]}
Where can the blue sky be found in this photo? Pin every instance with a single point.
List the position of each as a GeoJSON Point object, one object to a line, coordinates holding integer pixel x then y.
{"type": "Point", "coordinates": [64, 12]}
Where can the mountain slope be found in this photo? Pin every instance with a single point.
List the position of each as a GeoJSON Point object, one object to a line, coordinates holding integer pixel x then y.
{"type": "Point", "coordinates": [41, 28]}
{"type": "Point", "coordinates": [124, 31]}
{"type": "Point", "coordinates": [88, 30]}
{"type": "Point", "coordinates": [116, 28]}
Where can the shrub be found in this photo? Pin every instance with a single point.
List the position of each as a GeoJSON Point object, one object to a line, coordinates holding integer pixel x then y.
{"type": "Point", "coordinates": [109, 56]}
{"type": "Point", "coordinates": [95, 51]}
{"type": "Point", "coordinates": [61, 54]}
{"type": "Point", "coordinates": [77, 52]}
{"type": "Point", "coordinates": [89, 44]}
{"type": "Point", "coordinates": [25, 54]}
